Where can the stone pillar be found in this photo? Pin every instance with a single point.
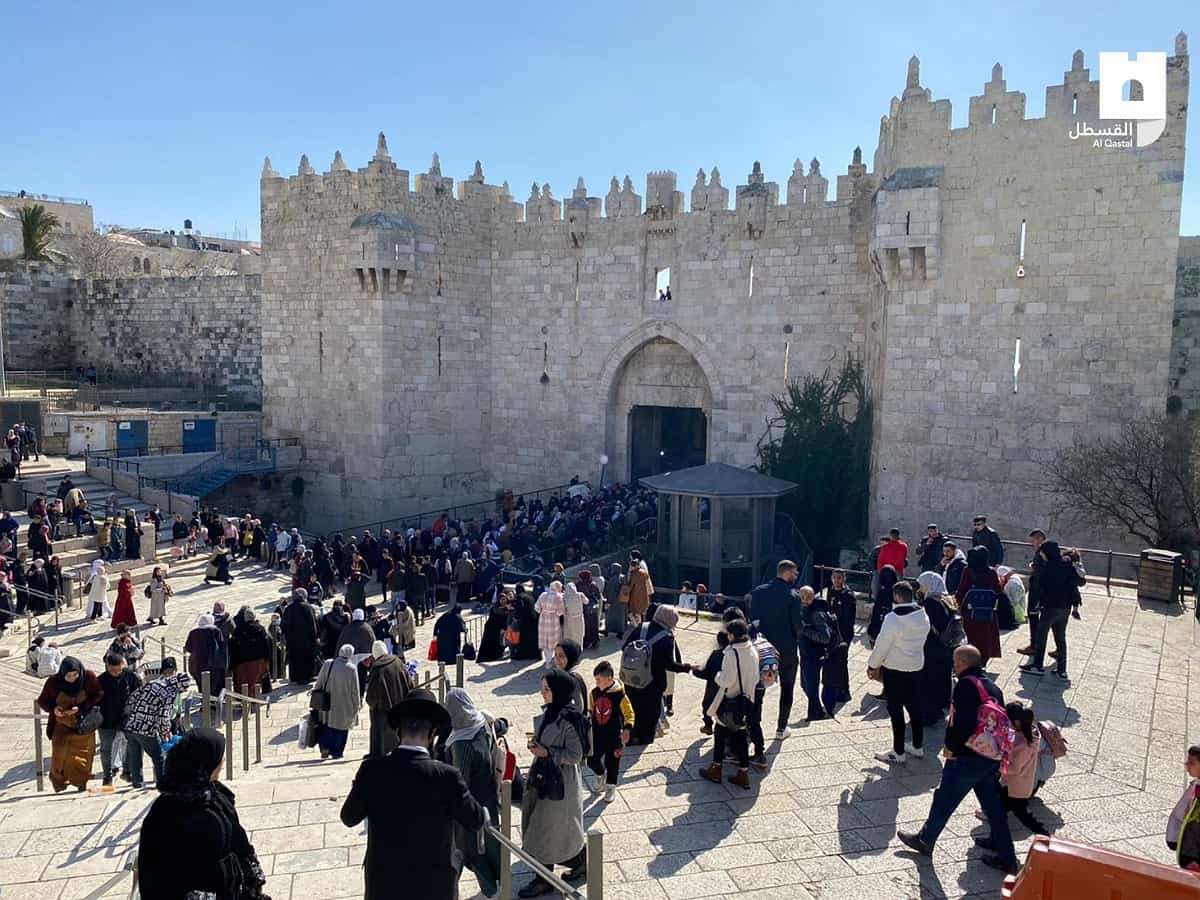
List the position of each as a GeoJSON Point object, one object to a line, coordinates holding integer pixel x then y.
{"type": "Point", "coordinates": [716, 521]}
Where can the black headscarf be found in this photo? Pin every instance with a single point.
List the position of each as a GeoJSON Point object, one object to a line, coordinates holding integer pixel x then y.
{"type": "Point", "coordinates": [70, 664]}
{"type": "Point", "coordinates": [572, 651]}
{"type": "Point", "coordinates": [978, 559]}
{"type": "Point", "coordinates": [562, 691]}
{"type": "Point", "coordinates": [887, 580]}
{"type": "Point", "coordinates": [188, 768]}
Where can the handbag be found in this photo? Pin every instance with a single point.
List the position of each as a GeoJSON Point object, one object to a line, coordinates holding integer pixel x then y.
{"type": "Point", "coordinates": [91, 721]}
{"type": "Point", "coordinates": [319, 700]}
{"type": "Point", "coordinates": [146, 592]}
{"type": "Point", "coordinates": [734, 712]}
{"type": "Point", "coordinates": [545, 777]}
{"type": "Point", "coordinates": [468, 650]}
{"type": "Point", "coordinates": [433, 650]}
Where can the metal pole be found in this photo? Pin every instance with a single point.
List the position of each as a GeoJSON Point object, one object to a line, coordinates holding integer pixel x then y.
{"type": "Point", "coordinates": [228, 739]}
{"type": "Point", "coordinates": [245, 730]}
{"type": "Point", "coordinates": [458, 671]}
{"type": "Point", "coordinates": [506, 830]}
{"type": "Point", "coordinates": [595, 865]}
{"type": "Point", "coordinates": [162, 652]}
{"type": "Point", "coordinates": [442, 683]}
{"type": "Point", "coordinates": [257, 724]}
{"type": "Point", "coordinates": [1108, 577]}
{"type": "Point", "coordinates": [205, 694]}
{"type": "Point", "coordinates": [38, 758]}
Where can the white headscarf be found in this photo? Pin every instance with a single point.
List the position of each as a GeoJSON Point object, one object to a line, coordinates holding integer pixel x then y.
{"type": "Point", "coordinates": [346, 651]}
{"type": "Point", "coordinates": [465, 719]}
{"type": "Point", "coordinates": [378, 649]}
{"type": "Point", "coordinates": [933, 584]}
{"type": "Point", "coordinates": [205, 621]}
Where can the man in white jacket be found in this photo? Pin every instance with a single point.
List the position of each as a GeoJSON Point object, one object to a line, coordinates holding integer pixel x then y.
{"type": "Point", "coordinates": [897, 660]}
{"type": "Point", "coordinates": [737, 679]}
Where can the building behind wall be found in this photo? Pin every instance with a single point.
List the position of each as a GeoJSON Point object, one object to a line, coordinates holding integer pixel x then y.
{"type": "Point", "coordinates": [431, 341]}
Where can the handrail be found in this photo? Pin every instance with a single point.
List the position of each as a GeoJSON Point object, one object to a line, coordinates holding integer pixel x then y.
{"type": "Point", "coordinates": [1110, 555]}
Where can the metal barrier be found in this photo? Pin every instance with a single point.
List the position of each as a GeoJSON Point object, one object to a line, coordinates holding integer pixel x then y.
{"type": "Point", "coordinates": [224, 703]}
{"type": "Point", "coordinates": [1109, 556]}
{"type": "Point", "coordinates": [509, 848]}
{"type": "Point", "coordinates": [39, 755]}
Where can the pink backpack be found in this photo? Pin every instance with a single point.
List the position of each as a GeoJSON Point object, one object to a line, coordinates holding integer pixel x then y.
{"type": "Point", "coordinates": [993, 737]}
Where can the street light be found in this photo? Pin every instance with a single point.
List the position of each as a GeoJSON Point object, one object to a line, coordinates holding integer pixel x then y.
{"type": "Point", "coordinates": [603, 465]}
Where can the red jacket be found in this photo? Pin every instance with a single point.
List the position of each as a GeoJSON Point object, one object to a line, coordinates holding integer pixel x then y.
{"type": "Point", "coordinates": [894, 554]}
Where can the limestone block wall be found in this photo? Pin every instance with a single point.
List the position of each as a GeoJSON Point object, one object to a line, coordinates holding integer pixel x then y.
{"type": "Point", "coordinates": [193, 330]}
{"type": "Point", "coordinates": [1091, 302]}
{"type": "Point", "coordinates": [1184, 378]}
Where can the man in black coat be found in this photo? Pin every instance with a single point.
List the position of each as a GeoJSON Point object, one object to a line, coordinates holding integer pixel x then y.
{"type": "Point", "coordinates": [410, 854]}
{"type": "Point", "coordinates": [966, 771]}
{"type": "Point", "coordinates": [985, 535]}
{"type": "Point", "coordinates": [929, 551]}
{"type": "Point", "coordinates": [775, 608]}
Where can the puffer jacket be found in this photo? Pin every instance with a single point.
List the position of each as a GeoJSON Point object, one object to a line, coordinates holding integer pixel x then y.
{"type": "Point", "coordinates": [901, 642]}
{"type": "Point", "coordinates": [736, 656]}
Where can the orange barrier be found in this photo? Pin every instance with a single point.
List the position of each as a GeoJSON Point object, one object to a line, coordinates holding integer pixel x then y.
{"type": "Point", "coordinates": [1065, 870]}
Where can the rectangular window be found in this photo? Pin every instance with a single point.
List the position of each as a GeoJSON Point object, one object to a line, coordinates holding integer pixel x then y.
{"type": "Point", "coordinates": [1016, 365]}
{"type": "Point", "coordinates": [662, 284]}
{"type": "Point", "coordinates": [1021, 249]}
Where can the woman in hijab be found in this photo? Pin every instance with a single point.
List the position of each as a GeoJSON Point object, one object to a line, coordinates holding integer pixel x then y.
{"type": "Point", "coordinates": [387, 684]}
{"type": "Point", "coordinates": [525, 620]}
{"type": "Point", "coordinates": [614, 621]}
{"type": "Point", "coordinates": [195, 812]}
{"type": "Point", "coordinates": [573, 624]}
{"type": "Point", "coordinates": [648, 701]}
{"type": "Point", "coordinates": [98, 592]}
{"type": "Point", "coordinates": [470, 750]}
{"type": "Point", "coordinates": [552, 830]}
{"type": "Point", "coordinates": [979, 611]}
{"type": "Point", "coordinates": [339, 679]}
{"type": "Point", "coordinates": [883, 601]}
{"type": "Point", "coordinates": [133, 536]}
{"type": "Point", "coordinates": [934, 686]}
{"type": "Point", "coordinates": [592, 599]}
{"type": "Point", "coordinates": [550, 608]}
{"type": "Point", "coordinates": [68, 697]}
{"type": "Point", "coordinates": [566, 658]}
{"type": "Point", "coordinates": [491, 644]}
{"type": "Point", "coordinates": [159, 592]}
{"type": "Point", "coordinates": [404, 627]}
{"type": "Point", "coordinates": [207, 652]}
{"type": "Point", "coordinates": [449, 630]}
{"type": "Point", "coordinates": [124, 612]}
{"type": "Point", "coordinates": [249, 651]}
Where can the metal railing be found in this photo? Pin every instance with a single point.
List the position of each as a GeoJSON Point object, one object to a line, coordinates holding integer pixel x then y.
{"type": "Point", "coordinates": [52, 198]}
{"type": "Point", "coordinates": [39, 753]}
{"type": "Point", "coordinates": [509, 848]}
{"type": "Point", "coordinates": [224, 704]}
{"type": "Point", "coordinates": [1107, 557]}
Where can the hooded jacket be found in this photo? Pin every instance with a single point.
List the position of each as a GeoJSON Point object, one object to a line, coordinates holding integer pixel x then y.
{"type": "Point", "coordinates": [901, 642]}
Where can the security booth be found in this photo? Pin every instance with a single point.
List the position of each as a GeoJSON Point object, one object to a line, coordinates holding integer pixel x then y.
{"type": "Point", "coordinates": [717, 525]}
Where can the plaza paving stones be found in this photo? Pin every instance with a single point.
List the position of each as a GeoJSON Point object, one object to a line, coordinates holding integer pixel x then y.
{"type": "Point", "coordinates": [819, 824]}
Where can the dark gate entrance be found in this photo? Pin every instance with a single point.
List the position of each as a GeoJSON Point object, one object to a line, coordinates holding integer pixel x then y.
{"type": "Point", "coordinates": [666, 438]}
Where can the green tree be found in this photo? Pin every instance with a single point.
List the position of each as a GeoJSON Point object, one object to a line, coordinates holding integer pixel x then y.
{"type": "Point", "coordinates": [37, 229]}
{"type": "Point", "coordinates": [820, 438]}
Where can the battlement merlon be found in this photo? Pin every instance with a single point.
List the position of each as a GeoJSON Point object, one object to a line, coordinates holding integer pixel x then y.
{"type": "Point", "coordinates": [916, 129]}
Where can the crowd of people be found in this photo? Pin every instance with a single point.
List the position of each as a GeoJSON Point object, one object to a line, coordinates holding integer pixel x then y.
{"type": "Point", "coordinates": [930, 638]}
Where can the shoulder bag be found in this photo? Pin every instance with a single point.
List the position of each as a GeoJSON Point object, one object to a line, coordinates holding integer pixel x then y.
{"type": "Point", "coordinates": [734, 712]}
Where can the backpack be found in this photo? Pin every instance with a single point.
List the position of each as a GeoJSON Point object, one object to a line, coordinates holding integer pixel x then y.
{"type": "Point", "coordinates": [993, 736]}
{"type": "Point", "coordinates": [980, 604]}
{"type": "Point", "coordinates": [636, 658]}
{"type": "Point", "coordinates": [954, 634]}
{"type": "Point", "coordinates": [768, 661]}
{"type": "Point", "coordinates": [1054, 739]}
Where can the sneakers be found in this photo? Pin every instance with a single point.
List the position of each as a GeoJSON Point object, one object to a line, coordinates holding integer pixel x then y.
{"type": "Point", "coordinates": [610, 793]}
{"type": "Point", "coordinates": [741, 778]}
{"type": "Point", "coordinates": [783, 734]}
{"type": "Point", "coordinates": [106, 786]}
{"type": "Point", "coordinates": [912, 840]}
{"type": "Point", "coordinates": [759, 760]}
{"type": "Point", "coordinates": [1031, 669]}
{"type": "Point", "coordinates": [914, 752]}
{"type": "Point", "coordinates": [891, 757]}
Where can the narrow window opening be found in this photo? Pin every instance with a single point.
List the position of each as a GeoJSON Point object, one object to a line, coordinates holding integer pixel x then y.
{"type": "Point", "coordinates": [993, 113]}
{"type": "Point", "coordinates": [1016, 365]}
{"type": "Point", "coordinates": [1021, 250]}
{"type": "Point", "coordinates": [439, 280]}
{"type": "Point", "coordinates": [364, 251]}
{"type": "Point", "coordinates": [751, 294]}
{"type": "Point", "coordinates": [662, 284]}
{"type": "Point", "coordinates": [787, 359]}
{"type": "Point", "coordinates": [320, 351]}
{"type": "Point", "coordinates": [804, 194]}
{"type": "Point", "coordinates": [387, 280]}
{"type": "Point", "coordinates": [397, 253]}
{"type": "Point", "coordinates": [439, 356]}
{"type": "Point", "coordinates": [907, 222]}
{"type": "Point", "coordinates": [1074, 104]}
{"type": "Point", "coordinates": [362, 279]}
{"type": "Point", "coordinates": [374, 280]}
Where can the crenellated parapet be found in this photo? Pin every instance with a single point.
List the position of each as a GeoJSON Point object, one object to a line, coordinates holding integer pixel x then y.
{"type": "Point", "coordinates": [621, 201]}
{"type": "Point", "coordinates": [804, 189]}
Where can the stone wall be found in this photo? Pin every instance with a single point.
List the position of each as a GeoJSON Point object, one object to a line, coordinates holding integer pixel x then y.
{"type": "Point", "coordinates": [1184, 376]}
{"type": "Point", "coordinates": [174, 330]}
{"type": "Point", "coordinates": [428, 343]}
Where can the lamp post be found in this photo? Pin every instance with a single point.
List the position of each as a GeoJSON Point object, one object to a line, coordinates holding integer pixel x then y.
{"type": "Point", "coordinates": [603, 465]}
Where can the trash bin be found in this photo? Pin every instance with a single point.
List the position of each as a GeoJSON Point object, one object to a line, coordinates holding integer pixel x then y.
{"type": "Point", "coordinates": [1160, 576]}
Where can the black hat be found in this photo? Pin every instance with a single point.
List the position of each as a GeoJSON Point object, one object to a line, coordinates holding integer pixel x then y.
{"type": "Point", "coordinates": [421, 704]}
{"type": "Point", "coordinates": [979, 519]}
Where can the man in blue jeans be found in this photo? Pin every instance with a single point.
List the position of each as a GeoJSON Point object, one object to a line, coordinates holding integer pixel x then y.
{"type": "Point", "coordinates": [148, 714]}
{"type": "Point", "coordinates": [967, 771]}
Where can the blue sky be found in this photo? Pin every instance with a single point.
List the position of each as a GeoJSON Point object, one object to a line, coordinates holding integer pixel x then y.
{"type": "Point", "coordinates": [159, 113]}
